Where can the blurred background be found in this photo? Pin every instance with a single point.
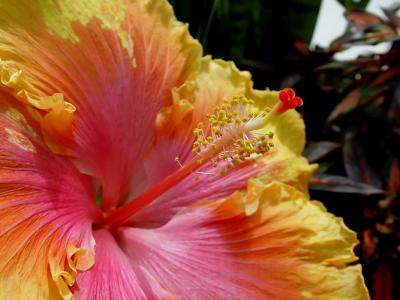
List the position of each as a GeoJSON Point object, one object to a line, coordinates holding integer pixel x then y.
{"type": "Point", "coordinates": [343, 58]}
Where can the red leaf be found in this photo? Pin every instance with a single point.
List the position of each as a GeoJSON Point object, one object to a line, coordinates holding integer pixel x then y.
{"type": "Point", "coordinates": [368, 242]}
{"type": "Point", "coordinates": [394, 177]}
{"type": "Point", "coordinates": [355, 163]}
{"type": "Point", "coordinates": [393, 18]}
{"type": "Point", "coordinates": [341, 184]}
{"type": "Point", "coordinates": [347, 104]}
{"type": "Point", "coordinates": [386, 76]}
{"type": "Point", "coordinates": [302, 47]}
{"type": "Point", "coordinates": [316, 150]}
{"type": "Point", "coordinates": [383, 283]}
{"type": "Point", "coordinates": [361, 19]}
{"type": "Point", "coordinates": [340, 43]}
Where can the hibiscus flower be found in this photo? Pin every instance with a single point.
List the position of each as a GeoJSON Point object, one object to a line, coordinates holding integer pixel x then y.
{"type": "Point", "coordinates": [131, 167]}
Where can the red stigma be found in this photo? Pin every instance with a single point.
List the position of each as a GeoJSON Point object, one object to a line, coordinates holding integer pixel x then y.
{"type": "Point", "coordinates": [298, 101]}
{"type": "Point", "coordinates": [289, 100]}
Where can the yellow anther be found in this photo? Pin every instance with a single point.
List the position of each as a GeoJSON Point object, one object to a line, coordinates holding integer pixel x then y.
{"type": "Point", "coordinates": [196, 178]}
{"type": "Point", "coordinates": [234, 133]}
{"type": "Point", "coordinates": [236, 160]}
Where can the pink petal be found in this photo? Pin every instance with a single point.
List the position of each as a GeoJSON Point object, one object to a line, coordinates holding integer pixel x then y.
{"type": "Point", "coordinates": [115, 276]}
{"type": "Point", "coordinates": [192, 258]}
{"type": "Point", "coordinates": [46, 213]}
{"type": "Point", "coordinates": [191, 190]}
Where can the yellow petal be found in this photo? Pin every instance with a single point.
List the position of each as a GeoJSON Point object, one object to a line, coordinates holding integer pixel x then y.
{"type": "Point", "coordinates": [55, 114]}
{"type": "Point", "coordinates": [325, 248]}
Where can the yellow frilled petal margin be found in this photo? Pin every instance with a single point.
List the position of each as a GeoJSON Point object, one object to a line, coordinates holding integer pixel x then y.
{"type": "Point", "coordinates": [53, 112]}
{"type": "Point", "coordinates": [64, 270]}
{"type": "Point", "coordinates": [324, 244]}
{"type": "Point", "coordinates": [58, 16]}
{"type": "Point", "coordinates": [44, 269]}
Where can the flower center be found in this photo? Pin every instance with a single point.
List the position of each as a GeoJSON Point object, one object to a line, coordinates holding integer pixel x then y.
{"type": "Point", "coordinates": [232, 135]}
{"type": "Point", "coordinates": [235, 133]}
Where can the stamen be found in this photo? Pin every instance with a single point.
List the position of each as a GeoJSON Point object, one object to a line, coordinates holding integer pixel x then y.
{"type": "Point", "coordinates": [178, 161]}
{"type": "Point", "coordinates": [229, 137]}
{"type": "Point", "coordinates": [232, 136]}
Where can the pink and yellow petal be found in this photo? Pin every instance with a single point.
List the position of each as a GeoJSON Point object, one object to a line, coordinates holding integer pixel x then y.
{"type": "Point", "coordinates": [325, 248]}
{"type": "Point", "coordinates": [46, 211]}
{"type": "Point", "coordinates": [269, 243]}
{"type": "Point", "coordinates": [114, 276]}
{"type": "Point", "coordinates": [115, 62]}
{"type": "Point", "coordinates": [53, 113]}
